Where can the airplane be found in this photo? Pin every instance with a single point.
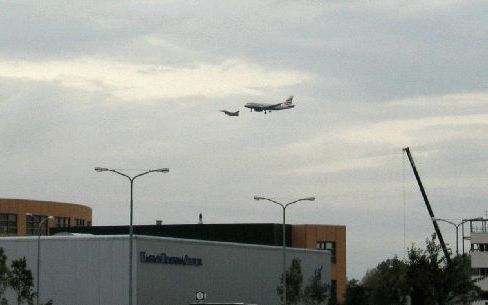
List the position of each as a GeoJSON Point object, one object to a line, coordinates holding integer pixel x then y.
{"type": "Point", "coordinates": [230, 113]}
{"type": "Point", "coordinates": [288, 104]}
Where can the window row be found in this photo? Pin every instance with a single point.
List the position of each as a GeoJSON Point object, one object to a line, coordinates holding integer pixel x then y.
{"type": "Point", "coordinates": [9, 224]}
{"type": "Point", "coordinates": [479, 271]}
{"type": "Point", "coordinates": [479, 247]}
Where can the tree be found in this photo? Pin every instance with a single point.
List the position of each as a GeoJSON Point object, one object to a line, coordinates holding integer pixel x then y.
{"type": "Point", "coordinates": [386, 284]}
{"type": "Point", "coordinates": [432, 281]}
{"type": "Point", "coordinates": [458, 277]}
{"type": "Point", "coordinates": [4, 273]}
{"type": "Point", "coordinates": [294, 282]}
{"type": "Point", "coordinates": [424, 277]}
{"type": "Point", "coordinates": [315, 292]}
{"type": "Point", "coordinates": [21, 281]}
{"type": "Point", "coordinates": [356, 294]}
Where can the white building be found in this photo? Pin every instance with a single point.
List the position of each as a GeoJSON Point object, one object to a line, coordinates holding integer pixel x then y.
{"type": "Point", "coordinates": [479, 255]}
{"type": "Point", "coordinates": [93, 270]}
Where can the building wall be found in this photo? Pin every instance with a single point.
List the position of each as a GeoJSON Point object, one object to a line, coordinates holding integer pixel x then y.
{"type": "Point", "coordinates": [75, 270]}
{"type": "Point", "coordinates": [247, 233]}
{"type": "Point", "coordinates": [307, 236]}
{"type": "Point", "coordinates": [479, 258]}
{"type": "Point", "coordinates": [81, 270]}
{"type": "Point", "coordinates": [20, 207]}
{"type": "Point", "coordinates": [229, 273]}
{"type": "Point", "coordinates": [297, 236]}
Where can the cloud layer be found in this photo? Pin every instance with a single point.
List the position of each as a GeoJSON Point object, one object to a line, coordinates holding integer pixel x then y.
{"type": "Point", "coordinates": [129, 81]}
{"type": "Point", "coordinates": [139, 85]}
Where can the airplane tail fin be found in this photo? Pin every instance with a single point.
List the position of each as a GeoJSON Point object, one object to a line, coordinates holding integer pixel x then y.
{"type": "Point", "coordinates": [289, 100]}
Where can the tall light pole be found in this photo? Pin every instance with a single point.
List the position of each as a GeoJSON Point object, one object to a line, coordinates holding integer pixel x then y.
{"type": "Point", "coordinates": [39, 251]}
{"type": "Point", "coordinates": [284, 206]}
{"type": "Point", "coordinates": [457, 228]}
{"type": "Point", "coordinates": [131, 180]}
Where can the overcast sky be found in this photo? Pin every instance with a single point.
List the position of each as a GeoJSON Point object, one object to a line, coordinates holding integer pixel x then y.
{"type": "Point", "coordinates": [139, 85]}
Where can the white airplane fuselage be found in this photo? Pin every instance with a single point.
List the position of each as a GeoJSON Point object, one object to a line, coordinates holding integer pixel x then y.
{"type": "Point", "coordinates": [267, 107]}
{"type": "Point", "coordinates": [259, 107]}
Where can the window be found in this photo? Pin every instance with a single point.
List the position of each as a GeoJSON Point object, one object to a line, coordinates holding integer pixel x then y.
{"type": "Point", "coordinates": [63, 222]}
{"type": "Point", "coordinates": [479, 271]}
{"type": "Point", "coordinates": [479, 247]}
{"type": "Point", "coordinates": [80, 222]}
{"type": "Point", "coordinates": [32, 224]}
{"type": "Point", "coordinates": [8, 223]}
{"type": "Point", "coordinates": [328, 245]}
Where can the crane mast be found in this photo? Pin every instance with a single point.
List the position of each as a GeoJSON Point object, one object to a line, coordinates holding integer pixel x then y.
{"type": "Point", "coordinates": [427, 204]}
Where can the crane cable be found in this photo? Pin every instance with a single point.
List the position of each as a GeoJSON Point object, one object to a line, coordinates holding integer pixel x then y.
{"type": "Point", "coordinates": [404, 198]}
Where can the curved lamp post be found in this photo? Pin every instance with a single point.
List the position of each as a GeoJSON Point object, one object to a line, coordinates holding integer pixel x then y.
{"type": "Point", "coordinates": [131, 180]}
{"type": "Point", "coordinates": [39, 251]}
{"type": "Point", "coordinates": [457, 229]}
{"type": "Point", "coordinates": [284, 206]}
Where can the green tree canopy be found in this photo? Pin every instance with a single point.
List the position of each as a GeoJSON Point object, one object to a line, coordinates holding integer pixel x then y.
{"type": "Point", "coordinates": [315, 292]}
{"type": "Point", "coordinates": [355, 293]}
{"type": "Point", "coordinates": [432, 281]}
{"type": "Point", "coordinates": [4, 274]}
{"type": "Point", "coordinates": [385, 284]}
{"type": "Point", "coordinates": [294, 283]}
{"type": "Point", "coordinates": [423, 276]}
{"type": "Point", "coordinates": [21, 281]}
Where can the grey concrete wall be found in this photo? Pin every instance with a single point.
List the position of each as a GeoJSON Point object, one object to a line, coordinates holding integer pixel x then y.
{"type": "Point", "coordinates": [229, 272]}
{"type": "Point", "coordinates": [76, 270]}
{"type": "Point", "coordinates": [93, 270]}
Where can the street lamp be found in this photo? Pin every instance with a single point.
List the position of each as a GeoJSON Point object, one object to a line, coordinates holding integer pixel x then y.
{"type": "Point", "coordinates": [457, 229]}
{"type": "Point", "coordinates": [284, 206]}
{"type": "Point", "coordinates": [131, 179]}
{"type": "Point", "coordinates": [39, 250]}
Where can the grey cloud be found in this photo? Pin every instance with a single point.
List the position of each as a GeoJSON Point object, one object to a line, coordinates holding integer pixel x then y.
{"type": "Point", "coordinates": [372, 64]}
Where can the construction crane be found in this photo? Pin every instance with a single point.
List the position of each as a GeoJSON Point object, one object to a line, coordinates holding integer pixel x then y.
{"type": "Point", "coordinates": [429, 208]}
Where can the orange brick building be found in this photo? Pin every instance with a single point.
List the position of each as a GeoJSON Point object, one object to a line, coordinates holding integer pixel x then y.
{"type": "Point", "coordinates": [20, 217]}
{"type": "Point", "coordinates": [324, 237]}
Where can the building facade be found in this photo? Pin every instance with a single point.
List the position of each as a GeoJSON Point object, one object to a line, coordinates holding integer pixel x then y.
{"type": "Point", "coordinates": [93, 270]}
{"type": "Point", "coordinates": [20, 217]}
{"type": "Point", "coordinates": [331, 238]}
{"type": "Point", "coordinates": [327, 238]}
{"type": "Point", "coordinates": [478, 237]}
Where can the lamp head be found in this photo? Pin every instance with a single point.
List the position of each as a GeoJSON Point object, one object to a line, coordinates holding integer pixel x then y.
{"type": "Point", "coordinates": [309, 198]}
{"type": "Point", "coordinates": [29, 214]}
{"type": "Point", "coordinates": [50, 217]}
{"type": "Point", "coordinates": [101, 169]}
{"type": "Point", "coordinates": [258, 198]}
{"type": "Point", "coordinates": [162, 170]}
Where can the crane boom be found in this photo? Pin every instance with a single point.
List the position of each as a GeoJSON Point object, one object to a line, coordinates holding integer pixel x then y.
{"type": "Point", "coordinates": [427, 204]}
